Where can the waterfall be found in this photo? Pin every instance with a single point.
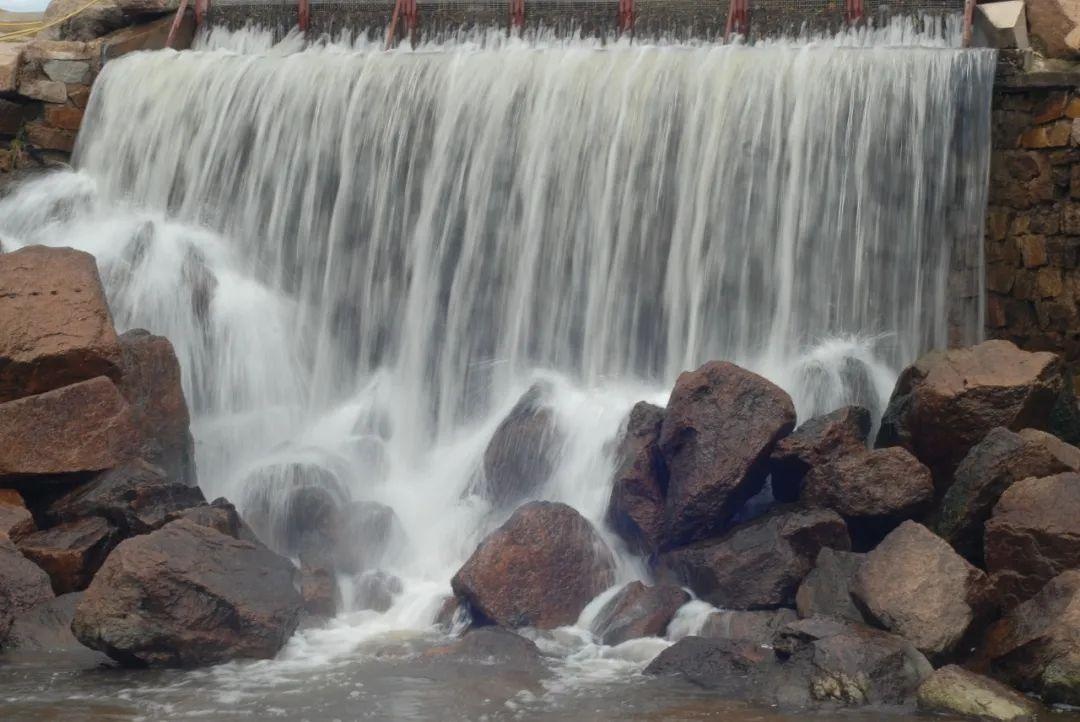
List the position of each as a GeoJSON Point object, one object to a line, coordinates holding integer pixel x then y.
{"type": "Point", "coordinates": [364, 258]}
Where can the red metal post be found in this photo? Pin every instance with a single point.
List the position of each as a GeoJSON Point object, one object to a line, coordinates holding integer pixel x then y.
{"type": "Point", "coordinates": [303, 15]}
{"type": "Point", "coordinates": [181, 11]}
{"type": "Point", "coordinates": [738, 20]}
{"type": "Point", "coordinates": [517, 14]}
{"type": "Point", "coordinates": [404, 10]}
{"type": "Point", "coordinates": [627, 16]}
{"type": "Point", "coordinates": [854, 12]}
{"type": "Point", "coordinates": [969, 19]}
{"type": "Point", "coordinates": [202, 9]}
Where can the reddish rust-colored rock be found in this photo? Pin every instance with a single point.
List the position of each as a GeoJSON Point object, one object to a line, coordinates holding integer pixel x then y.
{"type": "Point", "coordinates": [151, 383]}
{"type": "Point", "coordinates": [219, 515]}
{"type": "Point", "coordinates": [722, 423]}
{"type": "Point", "coordinates": [23, 585]}
{"type": "Point", "coordinates": [55, 326]}
{"type": "Point", "coordinates": [826, 591]}
{"type": "Point", "coordinates": [882, 486]}
{"type": "Point", "coordinates": [637, 611]}
{"type": "Point", "coordinates": [71, 553]}
{"type": "Point", "coordinates": [815, 443]}
{"type": "Point", "coordinates": [16, 521]}
{"type": "Point", "coordinates": [758, 565]}
{"type": "Point", "coordinates": [136, 497]}
{"type": "Point", "coordinates": [78, 428]}
{"type": "Point", "coordinates": [1036, 647]}
{"type": "Point", "coordinates": [948, 401]}
{"type": "Point", "coordinates": [319, 588]}
{"type": "Point", "coordinates": [1033, 536]}
{"type": "Point", "coordinates": [992, 466]}
{"type": "Point", "coordinates": [376, 590]}
{"type": "Point", "coordinates": [636, 508]}
{"type": "Point", "coordinates": [540, 569]}
{"type": "Point", "coordinates": [1055, 27]}
{"type": "Point", "coordinates": [915, 585]}
{"type": "Point", "coordinates": [187, 595]}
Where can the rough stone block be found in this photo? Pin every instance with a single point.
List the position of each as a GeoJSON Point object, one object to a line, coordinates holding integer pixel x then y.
{"type": "Point", "coordinates": [64, 117]}
{"type": "Point", "coordinates": [67, 71]}
{"type": "Point", "coordinates": [1032, 250]}
{"type": "Point", "coordinates": [48, 138]}
{"type": "Point", "coordinates": [50, 91]}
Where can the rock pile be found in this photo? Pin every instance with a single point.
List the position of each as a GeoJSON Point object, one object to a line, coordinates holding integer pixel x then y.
{"type": "Point", "coordinates": [98, 501]}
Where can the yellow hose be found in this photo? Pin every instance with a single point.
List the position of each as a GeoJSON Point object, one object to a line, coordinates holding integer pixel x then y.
{"type": "Point", "coordinates": [34, 27]}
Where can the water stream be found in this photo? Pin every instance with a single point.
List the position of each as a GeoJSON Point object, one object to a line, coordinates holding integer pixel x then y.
{"type": "Point", "coordinates": [364, 258]}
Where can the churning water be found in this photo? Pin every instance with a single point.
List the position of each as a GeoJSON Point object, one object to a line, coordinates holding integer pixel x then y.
{"type": "Point", "coordinates": [364, 258]}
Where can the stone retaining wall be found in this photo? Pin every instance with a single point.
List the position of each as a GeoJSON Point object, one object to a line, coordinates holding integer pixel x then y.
{"type": "Point", "coordinates": [1033, 218]}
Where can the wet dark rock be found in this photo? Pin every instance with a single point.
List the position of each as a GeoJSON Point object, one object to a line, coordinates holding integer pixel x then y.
{"type": "Point", "coordinates": [491, 646]}
{"type": "Point", "coordinates": [319, 588]}
{"type": "Point", "coordinates": [151, 383]}
{"type": "Point", "coordinates": [915, 585]}
{"type": "Point", "coordinates": [47, 628]}
{"type": "Point", "coordinates": [521, 455]}
{"type": "Point", "coordinates": [992, 466]}
{"type": "Point", "coordinates": [136, 497]}
{"type": "Point", "coordinates": [722, 423]}
{"type": "Point", "coordinates": [758, 565]}
{"type": "Point", "coordinates": [948, 401]}
{"type": "Point", "coordinates": [376, 590]}
{"type": "Point", "coordinates": [80, 428]}
{"type": "Point", "coordinates": [1033, 536]}
{"type": "Point", "coordinates": [956, 691]}
{"type": "Point", "coordinates": [16, 521]}
{"type": "Point", "coordinates": [826, 590]}
{"type": "Point", "coordinates": [851, 664]}
{"type": "Point", "coordinates": [636, 508]}
{"type": "Point", "coordinates": [71, 553]}
{"type": "Point", "coordinates": [539, 569]}
{"type": "Point", "coordinates": [187, 595]}
{"type": "Point", "coordinates": [814, 443]}
{"type": "Point", "coordinates": [55, 325]}
{"type": "Point", "coordinates": [23, 585]}
{"type": "Point", "coordinates": [1036, 646]}
{"type": "Point", "coordinates": [737, 669]}
{"type": "Point", "coordinates": [759, 627]}
{"type": "Point", "coordinates": [873, 490]}
{"type": "Point", "coordinates": [369, 532]}
{"type": "Point", "coordinates": [219, 515]}
{"type": "Point", "coordinates": [638, 611]}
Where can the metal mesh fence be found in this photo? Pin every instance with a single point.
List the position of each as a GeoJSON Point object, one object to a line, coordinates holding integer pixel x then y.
{"type": "Point", "coordinates": [704, 19]}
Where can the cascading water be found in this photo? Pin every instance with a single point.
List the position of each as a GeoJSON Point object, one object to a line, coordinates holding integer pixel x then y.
{"type": "Point", "coordinates": [364, 258]}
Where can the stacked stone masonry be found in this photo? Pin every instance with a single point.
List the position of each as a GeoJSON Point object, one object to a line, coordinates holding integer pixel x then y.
{"type": "Point", "coordinates": [1033, 220]}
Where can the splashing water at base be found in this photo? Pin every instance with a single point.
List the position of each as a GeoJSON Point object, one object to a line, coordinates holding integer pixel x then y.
{"type": "Point", "coordinates": [363, 259]}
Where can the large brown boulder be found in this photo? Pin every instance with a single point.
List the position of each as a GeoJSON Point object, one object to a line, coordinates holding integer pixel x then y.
{"type": "Point", "coordinates": [23, 585]}
{"type": "Point", "coordinates": [187, 595]}
{"type": "Point", "coordinates": [814, 443]}
{"type": "Point", "coordinates": [758, 565]}
{"type": "Point", "coordinates": [956, 691]}
{"type": "Point", "coordinates": [522, 453]}
{"type": "Point", "coordinates": [296, 508]}
{"type": "Point", "coordinates": [55, 326]}
{"type": "Point", "coordinates": [151, 384]}
{"type": "Point", "coordinates": [1036, 647]}
{"type": "Point", "coordinates": [872, 490]}
{"type": "Point", "coordinates": [71, 553]}
{"type": "Point", "coordinates": [722, 423]}
{"type": "Point", "coordinates": [16, 521]}
{"type": "Point", "coordinates": [539, 569]}
{"type": "Point", "coordinates": [826, 591]}
{"type": "Point", "coordinates": [636, 507]}
{"type": "Point", "coordinates": [992, 466]}
{"type": "Point", "coordinates": [46, 627]}
{"type": "Point", "coordinates": [948, 401]}
{"type": "Point", "coordinates": [1054, 27]}
{"type": "Point", "coordinates": [1033, 536]}
{"type": "Point", "coordinates": [637, 610]}
{"type": "Point", "coordinates": [83, 427]}
{"type": "Point", "coordinates": [82, 23]}
{"type": "Point", "coordinates": [915, 585]}
{"type": "Point", "coordinates": [136, 497]}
